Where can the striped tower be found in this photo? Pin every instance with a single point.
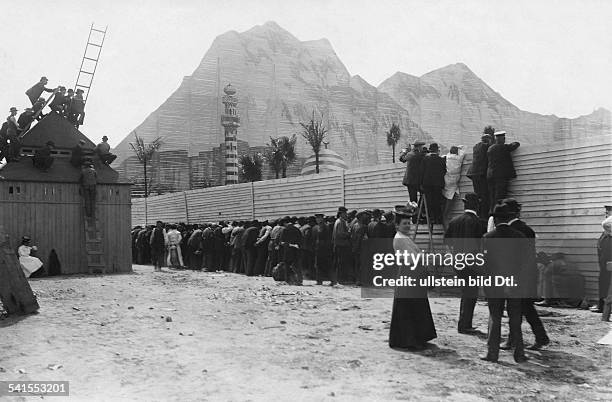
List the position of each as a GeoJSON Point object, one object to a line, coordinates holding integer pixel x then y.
{"type": "Point", "coordinates": [230, 122]}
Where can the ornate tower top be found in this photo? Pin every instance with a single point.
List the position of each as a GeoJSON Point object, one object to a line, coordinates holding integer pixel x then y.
{"type": "Point", "coordinates": [229, 90]}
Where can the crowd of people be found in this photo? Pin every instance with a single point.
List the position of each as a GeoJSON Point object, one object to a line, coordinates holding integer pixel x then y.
{"type": "Point", "coordinates": [318, 246]}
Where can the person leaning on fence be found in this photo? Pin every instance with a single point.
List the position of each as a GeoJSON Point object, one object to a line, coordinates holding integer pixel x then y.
{"type": "Point", "coordinates": [500, 168]}
{"type": "Point", "coordinates": [454, 163]}
{"type": "Point", "coordinates": [477, 172]}
{"type": "Point", "coordinates": [434, 169]}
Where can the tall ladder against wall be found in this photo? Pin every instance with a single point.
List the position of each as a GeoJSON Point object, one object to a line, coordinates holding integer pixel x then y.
{"type": "Point", "coordinates": [96, 263]}
{"type": "Point", "coordinates": [89, 63]}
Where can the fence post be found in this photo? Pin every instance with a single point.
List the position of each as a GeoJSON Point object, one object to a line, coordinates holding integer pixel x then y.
{"type": "Point", "coordinates": [343, 199]}
{"type": "Point", "coordinates": [252, 201]}
{"type": "Point", "coordinates": [186, 207]}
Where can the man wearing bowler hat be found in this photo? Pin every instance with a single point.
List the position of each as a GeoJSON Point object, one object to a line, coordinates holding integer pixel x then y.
{"type": "Point", "coordinates": [103, 151]}
{"type": "Point", "coordinates": [529, 278]}
{"type": "Point", "coordinates": [414, 174]}
{"type": "Point", "coordinates": [434, 169]}
{"type": "Point", "coordinates": [464, 235]}
{"type": "Point", "coordinates": [504, 257]}
{"type": "Point", "coordinates": [500, 168]}
{"type": "Point", "coordinates": [12, 134]}
{"type": "Point", "coordinates": [88, 181]}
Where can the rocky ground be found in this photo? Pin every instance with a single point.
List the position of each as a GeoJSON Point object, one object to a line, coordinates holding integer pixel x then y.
{"type": "Point", "coordinates": [187, 336]}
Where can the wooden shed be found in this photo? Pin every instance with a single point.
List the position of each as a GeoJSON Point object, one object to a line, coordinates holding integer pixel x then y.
{"type": "Point", "coordinates": [47, 205]}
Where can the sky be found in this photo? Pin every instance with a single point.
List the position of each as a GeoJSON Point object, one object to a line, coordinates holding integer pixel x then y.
{"type": "Point", "coordinates": [544, 56]}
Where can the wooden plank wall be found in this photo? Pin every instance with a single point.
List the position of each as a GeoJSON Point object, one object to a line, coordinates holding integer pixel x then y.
{"type": "Point", "coordinates": [563, 188]}
{"type": "Point", "coordinates": [52, 215]}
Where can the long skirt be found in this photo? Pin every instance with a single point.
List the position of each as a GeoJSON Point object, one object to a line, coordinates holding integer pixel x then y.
{"type": "Point", "coordinates": [411, 323]}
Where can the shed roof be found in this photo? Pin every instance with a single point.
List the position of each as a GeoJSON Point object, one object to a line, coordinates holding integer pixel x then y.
{"type": "Point", "coordinates": [54, 127]}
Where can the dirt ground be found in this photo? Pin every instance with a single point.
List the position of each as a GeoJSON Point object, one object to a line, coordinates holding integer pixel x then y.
{"type": "Point", "coordinates": [187, 336]}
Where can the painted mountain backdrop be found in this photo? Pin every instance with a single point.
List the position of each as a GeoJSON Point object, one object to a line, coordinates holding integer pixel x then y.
{"type": "Point", "coordinates": [280, 80]}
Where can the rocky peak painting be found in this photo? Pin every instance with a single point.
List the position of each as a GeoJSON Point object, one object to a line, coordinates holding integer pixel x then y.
{"type": "Point", "coordinates": [280, 80]}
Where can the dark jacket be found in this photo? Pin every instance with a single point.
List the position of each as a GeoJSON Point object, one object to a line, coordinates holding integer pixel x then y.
{"type": "Point", "coordinates": [434, 169]}
{"type": "Point", "coordinates": [249, 237]}
{"type": "Point", "coordinates": [376, 230]}
{"type": "Point", "coordinates": [157, 241]}
{"type": "Point", "coordinates": [529, 276]}
{"type": "Point", "coordinates": [322, 239]}
{"type": "Point", "coordinates": [464, 233]}
{"type": "Point", "coordinates": [479, 160]}
{"type": "Point", "coordinates": [604, 250]}
{"type": "Point", "coordinates": [35, 92]}
{"type": "Point", "coordinates": [500, 161]}
{"type": "Point", "coordinates": [414, 173]}
{"type": "Point", "coordinates": [291, 235]}
{"type": "Point", "coordinates": [504, 256]}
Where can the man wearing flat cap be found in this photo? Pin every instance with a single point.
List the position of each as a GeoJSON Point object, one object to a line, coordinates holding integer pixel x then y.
{"type": "Point", "coordinates": [500, 168]}
{"type": "Point", "coordinates": [477, 171]}
{"type": "Point", "coordinates": [464, 235]}
{"type": "Point", "coordinates": [529, 277]}
{"type": "Point", "coordinates": [414, 172]}
{"type": "Point", "coordinates": [505, 257]}
{"type": "Point", "coordinates": [341, 239]}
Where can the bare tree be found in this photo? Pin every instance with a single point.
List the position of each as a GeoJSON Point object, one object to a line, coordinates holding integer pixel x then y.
{"type": "Point", "coordinates": [393, 137]}
{"type": "Point", "coordinates": [314, 132]}
{"type": "Point", "coordinates": [250, 167]}
{"type": "Point", "coordinates": [144, 152]}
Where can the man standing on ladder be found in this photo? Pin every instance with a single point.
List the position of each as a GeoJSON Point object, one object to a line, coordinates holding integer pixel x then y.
{"type": "Point", "coordinates": [37, 90]}
{"type": "Point", "coordinates": [434, 169]}
{"type": "Point", "coordinates": [413, 175]}
{"type": "Point", "coordinates": [89, 180]}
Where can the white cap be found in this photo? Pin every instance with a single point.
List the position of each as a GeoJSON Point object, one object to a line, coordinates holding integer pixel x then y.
{"type": "Point", "coordinates": [499, 133]}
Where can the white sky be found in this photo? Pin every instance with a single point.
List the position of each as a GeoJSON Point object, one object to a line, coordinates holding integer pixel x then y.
{"type": "Point", "coordinates": [544, 56]}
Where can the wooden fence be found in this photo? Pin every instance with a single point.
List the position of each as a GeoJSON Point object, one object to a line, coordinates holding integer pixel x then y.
{"type": "Point", "coordinates": [563, 188]}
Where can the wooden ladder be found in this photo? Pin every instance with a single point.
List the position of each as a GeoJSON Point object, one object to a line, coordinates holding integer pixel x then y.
{"type": "Point", "coordinates": [96, 262]}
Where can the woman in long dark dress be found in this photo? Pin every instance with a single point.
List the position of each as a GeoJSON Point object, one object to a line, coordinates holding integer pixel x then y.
{"type": "Point", "coordinates": [412, 324]}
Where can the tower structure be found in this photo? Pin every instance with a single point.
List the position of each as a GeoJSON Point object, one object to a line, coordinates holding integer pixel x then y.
{"type": "Point", "coordinates": [230, 122]}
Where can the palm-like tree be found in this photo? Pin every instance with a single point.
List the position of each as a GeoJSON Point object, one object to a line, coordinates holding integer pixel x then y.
{"type": "Point", "coordinates": [314, 132]}
{"type": "Point", "coordinates": [144, 152]}
{"type": "Point", "coordinates": [281, 153]}
{"type": "Point", "coordinates": [250, 167]}
{"type": "Point", "coordinates": [393, 137]}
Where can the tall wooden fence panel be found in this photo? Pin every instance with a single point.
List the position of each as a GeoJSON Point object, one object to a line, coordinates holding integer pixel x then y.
{"type": "Point", "coordinates": [563, 188]}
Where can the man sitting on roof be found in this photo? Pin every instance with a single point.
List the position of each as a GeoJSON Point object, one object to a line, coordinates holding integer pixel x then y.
{"type": "Point", "coordinates": [79, 154]}
{"type": "Point", "coordinates": [103, 151]}
{"type": "Point", "coordinates": [42, 157]}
